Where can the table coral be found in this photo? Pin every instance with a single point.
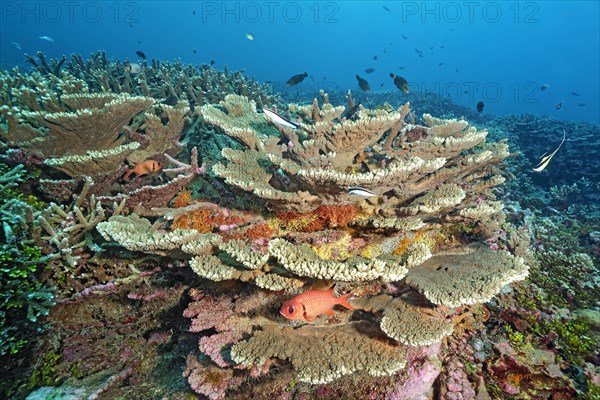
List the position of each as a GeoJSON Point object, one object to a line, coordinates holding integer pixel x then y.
{"type": "Point", "coordinates": [322, 354]}
{"type": "Point", "coordinates": [431, 186]}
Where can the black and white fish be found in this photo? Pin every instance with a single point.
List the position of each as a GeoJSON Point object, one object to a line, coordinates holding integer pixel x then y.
{"type": "Point", "coordinates": [279, 120]}
{"type": "Point", "coordinates": [358, 191]}
{"type": "Point", "coordinates": [545, 159]}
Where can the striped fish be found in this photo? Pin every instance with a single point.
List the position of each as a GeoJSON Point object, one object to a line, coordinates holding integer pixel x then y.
{"type": "Point", "coordinates": [545, 160]}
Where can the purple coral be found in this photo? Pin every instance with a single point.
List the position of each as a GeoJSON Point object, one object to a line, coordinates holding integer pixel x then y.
{"type": "Point", "coordinates": [207, 311]}
{"type": "Point", "coordinates": [213, 345]}
{"type": "Point", "coordinates": [210, 381]}
{"type": "Point", "coordinates": [457, 382]}
{"type": "Point", "coordinates": [419, 375]}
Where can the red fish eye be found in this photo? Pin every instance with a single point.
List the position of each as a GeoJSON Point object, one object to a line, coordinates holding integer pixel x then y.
{"type": "Point", "coordinates": [291, 309]}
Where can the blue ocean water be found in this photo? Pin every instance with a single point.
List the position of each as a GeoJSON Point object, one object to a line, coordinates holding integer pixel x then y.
{"type": "Point", "coordinates": [497, 52]}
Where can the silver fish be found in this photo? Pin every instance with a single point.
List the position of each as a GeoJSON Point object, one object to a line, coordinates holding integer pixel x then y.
{"type": "Point", "coordinates": [17, 45]}
{"type": "Point", "coordinates": [47, 39]}
{"type": "Point", "coordinates": [358, 191]}
{"type": "Point", "coordinates": [279, 120]}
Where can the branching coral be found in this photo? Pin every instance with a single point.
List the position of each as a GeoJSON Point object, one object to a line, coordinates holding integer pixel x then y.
{"type": "Point", "coordinates": [317, 164]}
{"type": "Point", "coordinates": [83, 138]}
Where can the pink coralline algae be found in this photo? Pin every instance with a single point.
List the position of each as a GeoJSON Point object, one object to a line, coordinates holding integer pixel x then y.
{"type": "Point", "coordinates": [207, 311]}
{"type": "Point", "coordinates": [458, 384]}
{"type": "Point", "coordinates": [213, 345]}
{"type": "Point", "coordinates": [419, 382]}
{"type": "Point", "coordinates": [418, 377]}
{"type": "Point", "coordinates": [210, 381]}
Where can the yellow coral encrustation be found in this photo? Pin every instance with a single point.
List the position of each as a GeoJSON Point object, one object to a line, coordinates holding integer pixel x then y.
{"type": "Point", "coordinates": [336, 250]}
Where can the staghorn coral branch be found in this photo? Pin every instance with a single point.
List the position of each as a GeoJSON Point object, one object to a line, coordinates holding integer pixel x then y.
{"type": "Point", "coordinates": [192, 167]}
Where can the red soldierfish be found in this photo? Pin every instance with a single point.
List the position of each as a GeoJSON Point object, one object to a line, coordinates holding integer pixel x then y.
{"type": "Point", "coordinates": [143, 168]}
{"type": "Point", "coordinates": [309, 305]}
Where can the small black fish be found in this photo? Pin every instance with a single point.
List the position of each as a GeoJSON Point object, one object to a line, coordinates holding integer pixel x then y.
{"type": "Point", "coordinates": [363, 84]}
{"type": "Point", "coordinates": [369, 70]}
{"type": "Point", "coordinates": [400, 67]}
{"type": "Point", "coordinates": [140, 54]}
{"type": "Point", "coordinates": [440, 64]}
{"type": "Point", "coordinates": [194, 50]}
{"type": "Point", "coordinates": [375, 57]}
{"type": "Point", "coordinates": [384, 51]}
{"type": "Point", "coordinates": [466, 92]}
{"type": "Point", "coordinates": [575, 94]}
{"type": "Point", "coordinates": [456, 70]}
{"type": "Point", "coordinates": [581, 104]}
{"type": "Point", "coordinates": [442, 46]}
{"type": "Point", "coordinates": [431, 48]}
{"type": "Point", "coordinates": [404, 37]}
{"type": "Point", "coordinates": [130, 25]}
{"type": "Point", "coordinates": [387, 9]}
{"type": "Point", "coordinates": [171, 100]}
{"type": "Point", "coordinates": [381, 85]}
{"type": "Point", "coordinates": [138, 41]}
{"type": "Point", "coordinates": [480, 106]}
{"type": "Point", "coordinates": [559, 105]}
{"type": "Point", "coordinates": [212, 62]}
{"type": "Point", "coordinates": [351, 112]}
{"type": "Point", "coordinates": [419, 52]}
{"type": "Point", "coordinates": [400, 83]}
{"type": "Point", "coordinates": [296, 79]}
{"type": "Point", "coordinates": [544, 86]}
{"type": "Point", "coordinates": [194, 13]}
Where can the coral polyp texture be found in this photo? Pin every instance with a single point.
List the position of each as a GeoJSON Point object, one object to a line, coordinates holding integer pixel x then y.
{"type": "Point", "coordinates": [411, 254]}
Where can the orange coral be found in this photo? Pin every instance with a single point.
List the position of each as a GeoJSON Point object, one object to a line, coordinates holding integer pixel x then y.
{"type": "Point", "coordinates": [205, 221]}
{"type": "Point", "coordinates": [407, 241]}
{"type": "Point", "coordinates": [325, 216]}
{"type": "Point", "coordinates": [259, 232]}
{"type": "Point", "coordinates": [183, 199]}
{"type": "Point", "coordinates": [336, 216]}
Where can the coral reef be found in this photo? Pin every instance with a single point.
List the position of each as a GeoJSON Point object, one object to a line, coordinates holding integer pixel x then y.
{"type": "Point", "coordinates": [193, 263]}
{"type": "Point", "coordinates": [442, 187]}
